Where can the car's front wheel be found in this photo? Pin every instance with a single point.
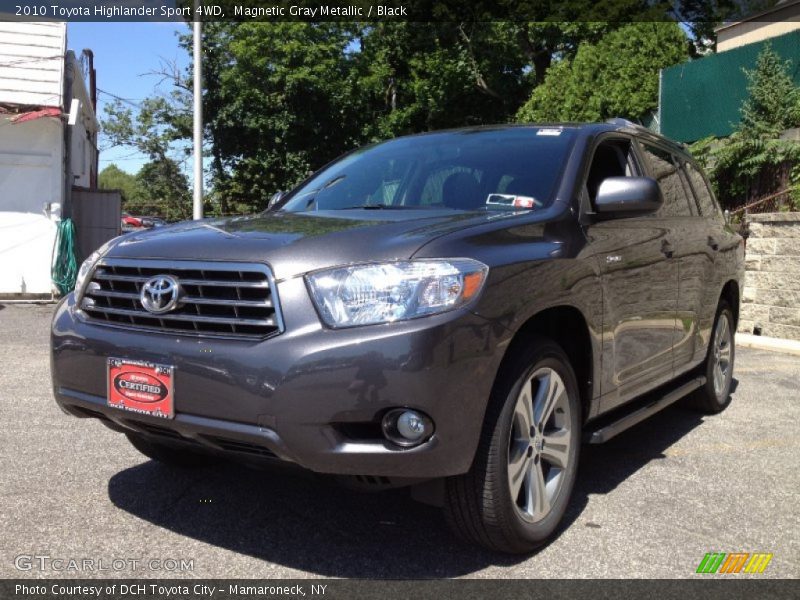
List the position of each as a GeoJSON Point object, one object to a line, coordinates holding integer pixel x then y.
{"type": "Point", "coordinates": [518, 488]}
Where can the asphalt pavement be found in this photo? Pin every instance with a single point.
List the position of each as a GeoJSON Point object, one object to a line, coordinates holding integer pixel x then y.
{"type": "Point", "coordinates": [650, 503]}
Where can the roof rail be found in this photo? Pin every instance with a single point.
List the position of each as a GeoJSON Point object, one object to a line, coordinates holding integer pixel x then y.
{"type": "Point", "coordinates": [624, 122]}
{"type": "Point", "coordinates": [627, 123]}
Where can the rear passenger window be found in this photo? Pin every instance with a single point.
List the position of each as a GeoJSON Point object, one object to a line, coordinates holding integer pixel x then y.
{"type": "Point", "coordinates": [665, 170]}
{"type": "Point", "coordinates": [705, 200]}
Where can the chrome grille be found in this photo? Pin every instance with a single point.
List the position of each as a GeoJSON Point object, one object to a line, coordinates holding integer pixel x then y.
{"type": "Point", "coordinates": [217, 298]}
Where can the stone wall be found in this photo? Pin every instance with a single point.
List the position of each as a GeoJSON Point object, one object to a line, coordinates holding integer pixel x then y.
{"type": "Point", "coordinates": [771, 299]}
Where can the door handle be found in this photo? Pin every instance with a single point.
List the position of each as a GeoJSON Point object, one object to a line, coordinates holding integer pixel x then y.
{"type": "Point", "coordinates": [712, 243]}
{"type": "Point", "coordinates": [666, 249]}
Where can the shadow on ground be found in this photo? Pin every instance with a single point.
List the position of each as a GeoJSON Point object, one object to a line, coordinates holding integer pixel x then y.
{"type": "Point", "coordinates": [311, 524]}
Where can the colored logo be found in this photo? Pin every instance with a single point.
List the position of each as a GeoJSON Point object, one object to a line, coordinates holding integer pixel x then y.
{"type": "Point", "coordinates": [736, 562]}
{"type": "Point", "coordinates": [140, 387]}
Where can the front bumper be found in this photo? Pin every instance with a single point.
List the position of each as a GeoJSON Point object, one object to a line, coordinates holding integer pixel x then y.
{"type": "Point", "coordinates": [311, 395]}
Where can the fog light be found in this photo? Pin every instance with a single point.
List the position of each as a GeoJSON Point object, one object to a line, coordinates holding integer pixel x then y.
{"type": "Point", "coordinates": [406, 427]}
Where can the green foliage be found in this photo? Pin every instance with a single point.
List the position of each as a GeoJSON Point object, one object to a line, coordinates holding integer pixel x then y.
{"type": "Point", "coordinates": [114, 178]}
{"type": "Point", "coordinates": [166, 189]}
{"type": "Point", "coordinates": [159, 122]}
{"type": "Point", "coordinates": [284, 98]}
{"type": "Point", "coordinates": [773, 102]}
{"type": "Point", "coordinates": [617, 76]}
{"type": "Point", "coordinates": [279, 103]}
{"type": "Point", "coordinates": [159, 189]}
{"type": "Point", "coordinates": [421, 76]}
{"type": "Point", "coordinates": [755, 161]}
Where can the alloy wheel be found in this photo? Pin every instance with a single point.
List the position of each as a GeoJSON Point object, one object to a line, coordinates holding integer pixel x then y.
{"type": "Point", "coordinates": [540, 444]}
{"type": "Point", "coordinates": [722, 354]}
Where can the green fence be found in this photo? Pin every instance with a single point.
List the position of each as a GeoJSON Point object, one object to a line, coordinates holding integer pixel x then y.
{"type": "Point", "coordinates": [703, 97]}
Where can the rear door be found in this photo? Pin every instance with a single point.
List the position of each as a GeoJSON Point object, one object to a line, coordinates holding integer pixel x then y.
{"type": "Point", "coordinates": [700, 275]}
{"type": "Point", "coordinates": [690, 253]}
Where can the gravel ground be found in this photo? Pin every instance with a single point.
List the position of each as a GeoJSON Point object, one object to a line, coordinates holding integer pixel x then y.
{"type": "Point", "coordinates": [650, 503]}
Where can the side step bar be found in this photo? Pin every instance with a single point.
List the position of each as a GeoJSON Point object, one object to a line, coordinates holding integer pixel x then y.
{"type": "Point", "coordinates": [610, 430]}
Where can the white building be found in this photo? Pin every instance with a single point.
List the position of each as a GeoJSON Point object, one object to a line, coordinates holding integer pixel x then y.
{"type": "Point", "coordinates": [778, 20]}
{"type": "Point", "coordinates": [48, 144]}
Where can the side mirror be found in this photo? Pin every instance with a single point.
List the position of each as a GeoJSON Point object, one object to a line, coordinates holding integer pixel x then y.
{"type": "Point", "coordinates": [628, 195]}
{"type": "Point", "coordinates": [276, 197]}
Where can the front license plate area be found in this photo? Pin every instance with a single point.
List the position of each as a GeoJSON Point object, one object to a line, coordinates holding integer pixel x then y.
{"type": "Point", "coordinates": [141, 387]}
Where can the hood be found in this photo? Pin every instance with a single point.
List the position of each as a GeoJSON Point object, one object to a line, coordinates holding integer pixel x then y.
{"type": "Point", "coordinates": [296, 243]}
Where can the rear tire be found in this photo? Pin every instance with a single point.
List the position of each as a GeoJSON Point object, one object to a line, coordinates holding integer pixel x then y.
{"type": "Point", "coordinates": [515, 495]}
{"type": "Point", "coordinates": [715, 395]}
{"type": "Point", "coordinates": [167, 455]}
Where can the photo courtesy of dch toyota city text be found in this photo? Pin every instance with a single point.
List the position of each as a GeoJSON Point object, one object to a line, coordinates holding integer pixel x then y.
{"type": "Point", "coordinates": [403, 299]}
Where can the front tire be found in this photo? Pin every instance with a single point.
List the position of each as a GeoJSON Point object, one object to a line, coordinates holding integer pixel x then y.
{"type": "Point", "coordinates": [515, 495]}
{"type": "Point", "coordinates": [715, 395]}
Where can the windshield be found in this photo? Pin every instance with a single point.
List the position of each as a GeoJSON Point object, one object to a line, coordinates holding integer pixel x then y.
{"type": "Point", "coordinates": [489, 169]}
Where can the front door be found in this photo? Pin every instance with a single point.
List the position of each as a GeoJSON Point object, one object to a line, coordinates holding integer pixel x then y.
{"type": "Point", "coordinates": [635, 257]}
{"type": "Point", "coordinates": [640, 293]}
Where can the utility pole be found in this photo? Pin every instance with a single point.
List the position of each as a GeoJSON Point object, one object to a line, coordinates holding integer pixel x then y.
{"type": "Point", "coordinates": [198, 114]}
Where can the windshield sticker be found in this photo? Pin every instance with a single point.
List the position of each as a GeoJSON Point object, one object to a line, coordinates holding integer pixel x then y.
{"type": "Point", "coordinates": [511, 200]}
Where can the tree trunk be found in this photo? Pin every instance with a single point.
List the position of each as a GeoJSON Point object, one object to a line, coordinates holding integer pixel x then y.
{"type": "Point", "coordinates": [541, 62]}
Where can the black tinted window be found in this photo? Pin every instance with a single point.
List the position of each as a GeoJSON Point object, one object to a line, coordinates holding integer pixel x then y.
{"type": "Point", "coordinates": [610, 159]}
{"type": "Point", "coordinates": [465, 170]}
{"type": "Point", "coordinates": [665, 170]}
{"type": "Point", "coordinates": [705, 201]}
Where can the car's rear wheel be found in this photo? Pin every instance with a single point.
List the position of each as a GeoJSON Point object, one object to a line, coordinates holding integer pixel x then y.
{"type": "Point", "coordinates": [518, 488]}
{"type": "Point", "coordinates": [715, 395]}
{"type": "Point", "coordinates": [166, 454]}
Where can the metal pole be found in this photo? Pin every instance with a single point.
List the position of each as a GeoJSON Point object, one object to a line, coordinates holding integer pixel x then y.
{"type": "Point", "coordinates": [198, 117]}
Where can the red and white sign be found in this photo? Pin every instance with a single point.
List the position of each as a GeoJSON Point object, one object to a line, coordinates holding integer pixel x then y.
{"type": "Point", "coordinates": [141, 387]}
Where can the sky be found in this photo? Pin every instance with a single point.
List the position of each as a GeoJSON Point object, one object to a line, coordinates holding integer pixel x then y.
{"type": "Point", "coordinates": [124, 54]}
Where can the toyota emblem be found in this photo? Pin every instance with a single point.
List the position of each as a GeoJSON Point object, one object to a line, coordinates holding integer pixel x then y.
{"type": "Point", "coordinates": [160, 294]}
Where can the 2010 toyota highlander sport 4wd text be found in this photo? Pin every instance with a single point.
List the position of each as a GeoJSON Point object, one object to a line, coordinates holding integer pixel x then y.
{"type": "Point", "coordinates": [454, 311]}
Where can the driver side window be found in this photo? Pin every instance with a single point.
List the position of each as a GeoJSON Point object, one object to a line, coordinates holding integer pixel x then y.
{"type": "Point", "coordinates": [612, 158]}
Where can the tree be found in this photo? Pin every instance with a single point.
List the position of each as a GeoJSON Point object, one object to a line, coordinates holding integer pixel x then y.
{"type": "Point", "coordinates": [114, 178]}
{"type": "Point", "coordinates": [159, 188]}
{"type": "Point", "coordinates": [773, 102]}
{"type": "Point", "coordinates": [280, 102]}
{"type": "Point", "coordinates": [754, 161]}
{"type": "Point", "coordinates": [284, 98]}
{"type": "Point", "coordinates": [617, 76]}
{"type": "Point", "coordinates": [166, 190]}
{"type": "Point", "coordinates": [417, 77]}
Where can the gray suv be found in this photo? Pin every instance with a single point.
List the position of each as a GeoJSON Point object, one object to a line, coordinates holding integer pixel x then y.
{"type": "Point", "coordinates": [455, 312]}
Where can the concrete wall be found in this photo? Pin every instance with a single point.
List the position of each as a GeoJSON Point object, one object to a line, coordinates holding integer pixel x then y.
{"type": "Point", "coordinates": [31, 167]}
{"type": "Point", "coordinates": [31, 164]}
{"type": "Point", "coordinates": [32, 174]}
{"type": "Point", "coordinates": [771, 299]}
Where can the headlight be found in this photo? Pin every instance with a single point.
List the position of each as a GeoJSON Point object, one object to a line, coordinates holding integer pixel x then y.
{"type": "Point", "coordinates": [385, 292]}
{"type": "Point", "coordinates": [88, 265]}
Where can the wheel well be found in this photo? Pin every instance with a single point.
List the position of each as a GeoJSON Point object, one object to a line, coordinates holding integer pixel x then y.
{"type": "Point", "coordinates": [566, 326]}
{"type": "Point", "coordinates": [730, 293]}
